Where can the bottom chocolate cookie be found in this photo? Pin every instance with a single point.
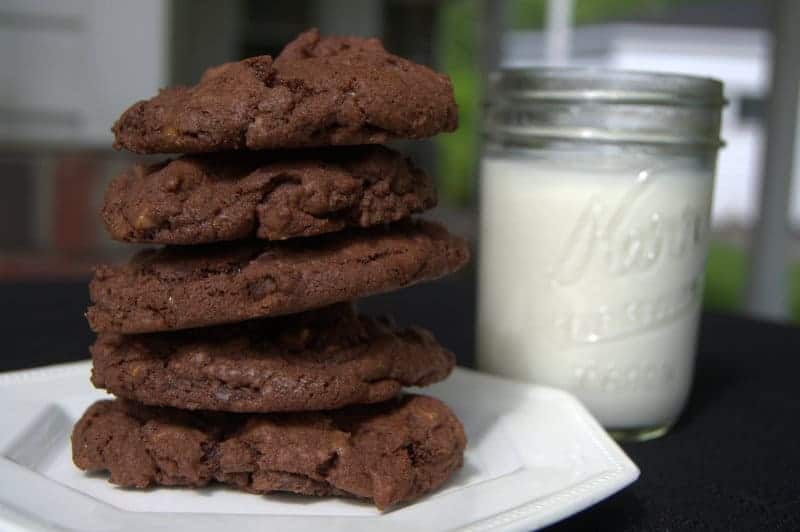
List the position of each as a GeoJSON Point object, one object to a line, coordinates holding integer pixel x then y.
{"type": "Point", "coordinates": [388, 453]}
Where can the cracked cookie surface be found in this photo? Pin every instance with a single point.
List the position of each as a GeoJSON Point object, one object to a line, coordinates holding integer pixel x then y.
{"type": "Point", "coordinates": [267, 195]}
{"type": "Point", "coordinates": [388, 453]}
{"type": "Point", "coordinates": [319, 360]}
{"type": "Point", "coordinates": [186, 287]}
{"type": "Point", "coordinates": [316, 92]}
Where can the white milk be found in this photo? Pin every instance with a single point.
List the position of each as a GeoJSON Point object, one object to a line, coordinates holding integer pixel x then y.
{"type": "Point", "coordinates": [591, 278]}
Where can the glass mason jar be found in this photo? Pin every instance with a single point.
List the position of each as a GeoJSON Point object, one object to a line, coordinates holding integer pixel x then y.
{"type": "Point", "coordinates": [595, 193]}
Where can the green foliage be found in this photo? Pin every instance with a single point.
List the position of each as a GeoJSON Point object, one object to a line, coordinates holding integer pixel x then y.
{"type": "Point", "coordinates": [726, 274]}
{"type": "Point", "coordinates": [725, 277]}
{"type": "Point", "coordinates": [458, 56]}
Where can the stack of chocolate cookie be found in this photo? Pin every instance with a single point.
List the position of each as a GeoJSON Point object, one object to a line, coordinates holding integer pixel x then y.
{"type": "Point", "coordinates": [235, 350]}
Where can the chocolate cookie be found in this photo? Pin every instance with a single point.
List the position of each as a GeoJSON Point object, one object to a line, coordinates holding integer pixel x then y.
{"type": "Point", "coordinates": [184, 287]}
{"type": "Point", "coordinates": [317, 92]}
{"type": "Point", "coordinates": [389, 453]}
{"type": "Point", "coordinates": [319, 360]}
{"type": "Point", "coordinates": [269, 195]}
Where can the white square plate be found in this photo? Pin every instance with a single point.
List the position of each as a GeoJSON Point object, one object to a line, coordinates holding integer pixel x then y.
{"type": "Point", "coordinates": [534, 456]}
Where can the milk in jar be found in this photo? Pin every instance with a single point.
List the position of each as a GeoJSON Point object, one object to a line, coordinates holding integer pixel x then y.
{"type": "Point", "coordinates": [593, 241]}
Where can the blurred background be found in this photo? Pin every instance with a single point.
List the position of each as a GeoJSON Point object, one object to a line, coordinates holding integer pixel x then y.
{"type": "Point", "coordinates": [70, 67]}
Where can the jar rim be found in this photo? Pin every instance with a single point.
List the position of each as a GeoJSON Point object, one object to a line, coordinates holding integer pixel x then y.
{"type": "Point", "coordinates": [600, 105]}
{"type": "Point", "coordinates": [592, 84]}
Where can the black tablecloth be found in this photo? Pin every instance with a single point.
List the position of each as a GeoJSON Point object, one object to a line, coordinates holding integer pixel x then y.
{"type": "Point", "coordinates": [731, 463]}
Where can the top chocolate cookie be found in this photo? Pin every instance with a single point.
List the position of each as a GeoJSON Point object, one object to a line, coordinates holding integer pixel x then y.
{"type": "Point", "coordinates": [316, 92]}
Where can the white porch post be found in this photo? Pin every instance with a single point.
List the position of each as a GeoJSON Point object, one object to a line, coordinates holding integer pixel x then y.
{"type": "Point", "coordinates": [558, 31]}
{"type": "Point", "coordinates": [767, 284]}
